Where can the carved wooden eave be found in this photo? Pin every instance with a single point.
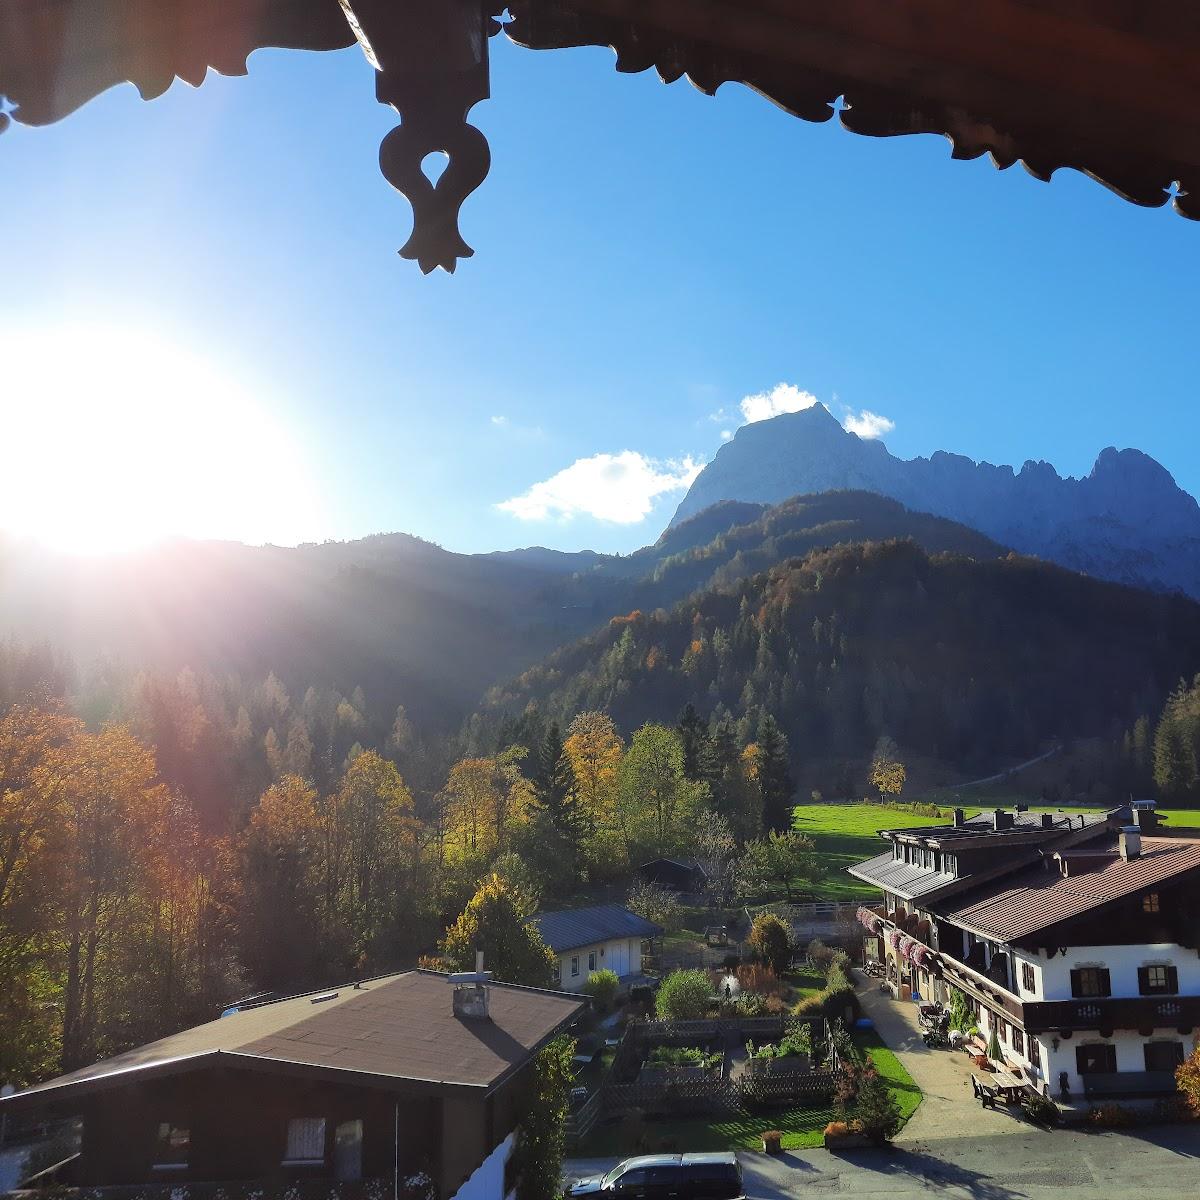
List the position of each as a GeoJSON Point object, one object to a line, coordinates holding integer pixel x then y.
{"type": "Point", "coordinates": [1107, 87]}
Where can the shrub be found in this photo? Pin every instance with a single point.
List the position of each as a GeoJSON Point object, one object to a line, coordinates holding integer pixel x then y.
{"type": "Point", "coordinates": [683, 1056]}
{"type": "Point", "coordinates": [841, 1004]}
{"type": "Point", "coordinates": [819, 954]}
{"type": "Point", "coordinates": [1112, 1116]}
{"type": "Point", "coordinates": [755, 977]}
{"type": "Point", "coordinates": [836, 978]}
{"type": "Point", "coordinates": [837, 1129]}
{"type": "Point", "coordinates": [1043, 1110]}
{"type": "Point", "coordinates": [1187, 1078]}
{"type": "Point", "coordinates": [771, 942]}
{"type": "Point", "coordinates": [751, 1004]}
{"type": "Point", "coordinates": [602, 986]}
{"type": "Point", "coordinates": [846, 1083]}
{"type": "Point", "coordinates": [841, 960]}
{"type": "Point", "coordinates": [538, 1152]}
{"type": "Point", "coordinates": [993, 1047]}
{"type": "Point", "coordinates": [774, 1006]}
{"type": "Point", "coordinates": [961, 1016]}
{"type": "Point", "coordinates": [683, 996]}
{"type": "Point", "coordinates": [876, 1110]}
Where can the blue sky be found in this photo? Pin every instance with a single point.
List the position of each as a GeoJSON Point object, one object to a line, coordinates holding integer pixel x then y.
{"type": "Point", "coordinates": [645, 257]}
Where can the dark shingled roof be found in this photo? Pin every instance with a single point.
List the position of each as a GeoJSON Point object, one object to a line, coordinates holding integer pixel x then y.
{"type": "Point", "coordinates": [573, 927]}
{"type": "Point", "coordinates": [1039, 897]}
{"type": "Point", "coordinates": [388, 1030]}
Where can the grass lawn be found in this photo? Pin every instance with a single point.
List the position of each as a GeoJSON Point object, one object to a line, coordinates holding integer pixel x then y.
{"type": "Point", "coordinates": [801, 1127]}
{"type": "Point", "coordinates": [846, 834]}
{"type": "Point", "coordinates": [802, 984]}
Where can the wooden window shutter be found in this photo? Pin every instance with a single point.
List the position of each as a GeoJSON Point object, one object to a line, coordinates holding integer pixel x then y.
{"type": "Point", "coordinates": [1075, 982]}
{"type": "Point", "coordinates": [1172, 979]}
{"type": "Point", "coordinates": [1144, 980]}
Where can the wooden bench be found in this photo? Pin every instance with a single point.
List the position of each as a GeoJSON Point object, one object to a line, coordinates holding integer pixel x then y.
{"type": "Point", "coordinates": [984, 1093]}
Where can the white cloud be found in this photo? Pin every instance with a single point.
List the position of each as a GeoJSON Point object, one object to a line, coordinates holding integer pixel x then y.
{"type": "Point", "coordinates": [868, 424]}
{"type": "Point", "coordinates": [620, 488]}
{"type": "Point", "coordinates": [505, 425]}
{"type": "Point", "coordinates": [782, 398]}
{"type": "Point", "coordinates": [726, 434]}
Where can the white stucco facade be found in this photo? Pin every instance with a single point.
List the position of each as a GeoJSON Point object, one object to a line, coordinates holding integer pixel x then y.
{"type": "Point", "coordinates": [1052, 972]}
{"type": "Point", "coordinates": [487, 1180]}
{"type": "Point", "coordinates": [620, 955]}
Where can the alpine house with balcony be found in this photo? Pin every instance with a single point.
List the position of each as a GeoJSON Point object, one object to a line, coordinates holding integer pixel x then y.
{"type": "Point", "coordinates": [1074, 937]}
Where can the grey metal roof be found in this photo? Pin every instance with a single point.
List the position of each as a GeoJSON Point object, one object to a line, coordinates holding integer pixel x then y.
{"type": "Point", "coordinates": [573, 927]}
{"type": "Point", "coordinates": [981, 825]}
{"type": "Point", "coordinates": [905, 879]}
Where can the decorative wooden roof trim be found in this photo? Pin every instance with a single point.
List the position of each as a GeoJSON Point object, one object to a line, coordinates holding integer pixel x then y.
{"type": "Point", "coordinates": [1110, 88]}
{"type": "Point", "coordinates": [1107, 87]}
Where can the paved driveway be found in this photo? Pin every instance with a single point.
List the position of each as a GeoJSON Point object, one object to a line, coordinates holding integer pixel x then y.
{"type": "Point", "coordinates": [948, 1108]}
{"type": "Point", "coordinates": [1161, 1164]}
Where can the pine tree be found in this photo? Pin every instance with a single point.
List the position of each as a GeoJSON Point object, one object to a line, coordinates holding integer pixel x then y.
{"type": "Point", "coordinates": [693, 732]}
{"type": "Point", "coordinates": [775, 782]}
{"type": "Point", "coordinates": [555, 800]}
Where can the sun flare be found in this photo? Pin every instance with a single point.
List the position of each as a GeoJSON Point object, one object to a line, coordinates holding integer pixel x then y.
{"type": "Point", "coordinates": [116, 438]}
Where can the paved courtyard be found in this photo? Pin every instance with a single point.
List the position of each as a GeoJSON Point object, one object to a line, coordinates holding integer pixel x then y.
{"type": "Point", "coordinates": [948, 1109]}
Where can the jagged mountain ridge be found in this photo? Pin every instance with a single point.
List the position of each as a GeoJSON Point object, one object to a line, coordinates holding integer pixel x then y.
{"type": "Point", "coordinates": [1126, 521]}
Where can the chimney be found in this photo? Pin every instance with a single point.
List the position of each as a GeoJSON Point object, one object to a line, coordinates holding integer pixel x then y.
{"type": "Point", "coordinates": [959, 818]}
{"type": "Point", "coordinates": [1130, 843]}
{"type": "Point", "coordinates": [1001, 819]}
{"type": "Point", "coordinates": [1047, 820]}
{"type": "Point", "coordinates": [1144, 816]}
{"type": "Point", "coordinates": [470, 992]}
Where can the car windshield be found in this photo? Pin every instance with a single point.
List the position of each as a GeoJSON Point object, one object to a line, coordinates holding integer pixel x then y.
{"type": "Point", "coordinates": [610, 1178]}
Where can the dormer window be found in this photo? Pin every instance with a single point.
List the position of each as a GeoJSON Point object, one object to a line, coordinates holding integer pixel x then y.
{"type": "Point", "coordinates": [1150, 902]}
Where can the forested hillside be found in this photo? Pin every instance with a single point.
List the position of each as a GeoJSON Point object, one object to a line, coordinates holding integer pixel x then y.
{"type": "Point", "coordinates": [962, 659]}
{"type": "Point", "coordinates": [386, 621]}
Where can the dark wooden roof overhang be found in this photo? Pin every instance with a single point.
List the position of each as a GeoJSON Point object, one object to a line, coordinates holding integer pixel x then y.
{"type": "Point", "coordinates": [1107, 87]}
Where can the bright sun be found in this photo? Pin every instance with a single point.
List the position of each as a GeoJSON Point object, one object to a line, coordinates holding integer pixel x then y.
{"type": "Point", "coordinates": [115, 438]}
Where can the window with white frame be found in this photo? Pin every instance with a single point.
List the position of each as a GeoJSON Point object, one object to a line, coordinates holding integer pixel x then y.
{"type": "Point", "coordinates": [305, 1140]}
{"type": "Point", "coordinates": [574, 965]}
{"type": "Point", "coordinates": [592, 960]}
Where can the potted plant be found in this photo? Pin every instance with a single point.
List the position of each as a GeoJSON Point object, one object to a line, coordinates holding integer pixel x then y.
{"type": "Point", "coordinates": [844, 1135]}
{"type": "Point", "coordinates": [772, 1142]}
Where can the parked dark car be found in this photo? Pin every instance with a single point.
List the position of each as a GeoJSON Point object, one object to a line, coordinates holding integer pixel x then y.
{"type": "Point", "coordinates": [667, 1177]}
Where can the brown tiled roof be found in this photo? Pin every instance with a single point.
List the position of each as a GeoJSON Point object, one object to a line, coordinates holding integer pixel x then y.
{"type": "Point", "coordinates": [388, 1030]}
{"type": "Point", "coordinates": [1040, 897]}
